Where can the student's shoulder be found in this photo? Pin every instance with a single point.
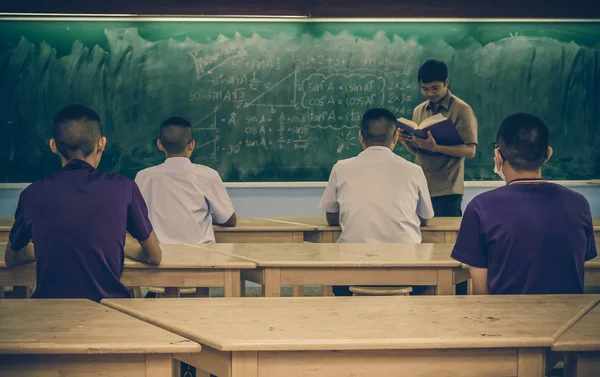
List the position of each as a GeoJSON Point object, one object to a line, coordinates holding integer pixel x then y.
{"type": "Point", "coordinates": [568, 194]}
{"type": "Point", "coordinates": [148, 171]}
{"type": "Point", "coordinates": [344, 163]}
{"type": "Point", "coordinates": [204, 171]}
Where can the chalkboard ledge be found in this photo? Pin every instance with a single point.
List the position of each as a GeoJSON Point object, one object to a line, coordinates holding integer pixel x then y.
{"type": "Point", "coordinates": [476, 184]}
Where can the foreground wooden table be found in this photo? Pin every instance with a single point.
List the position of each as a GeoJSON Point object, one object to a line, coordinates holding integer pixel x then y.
{"type": "Point", "coordinates": [347, 264]}
{"type": "Point", "coordinates": [582, 341]}
{"type": "Point", "coordinates": [82, 338]}
{"type": "Point", "coordinates": [181, 266]}
{"type": "Point", "coordinates": [461, 336]}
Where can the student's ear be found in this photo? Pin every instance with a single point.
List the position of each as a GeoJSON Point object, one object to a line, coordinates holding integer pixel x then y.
{"type": "Point", "coordinates": [548, 154]}
{"type": "Point", "coordinates": [160, 146]}
{"type": "Point", "coordinates": [361, 138]}
{"type": "Point", "coordinates": [395, 136]}
{"type": "Point", "coordinates": [101, 145]}
{"type": "Point", "coordinates": [191, 145]}
{"type": "Point", "coordinates": [52, 145]}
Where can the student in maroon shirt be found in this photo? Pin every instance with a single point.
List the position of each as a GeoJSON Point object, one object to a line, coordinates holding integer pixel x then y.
{"type": "Point", "coordinates": [530, 236]}
{"type": "Point", "coordinates": [77, 218]}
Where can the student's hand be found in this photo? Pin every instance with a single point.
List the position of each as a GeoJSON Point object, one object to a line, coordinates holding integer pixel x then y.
{"type": "Point", "coordinates": [428, 144]}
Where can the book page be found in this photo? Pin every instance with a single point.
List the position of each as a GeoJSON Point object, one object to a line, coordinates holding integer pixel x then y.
{"type": "Point", "coordinates": [437, 118]}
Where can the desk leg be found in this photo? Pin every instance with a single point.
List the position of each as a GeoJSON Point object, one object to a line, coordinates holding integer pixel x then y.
{"type": "Point", "coordinates": [298, 290]}
{"type": "Point", "coordinates": [272, 282]}
{"type": "Point", "coordinates": [232, 283]}
{"type": "Point", "coordinates": [159, 365]}
{"type": "Point", "coordinates": [326, 290]}
{"type": "Point", "coordinates": [244, 364]}
{"type": "Point", "coordinates": [445, 285]}
{"type": "Point", "coordinates": [582, 364]}
{"type": "Point", "coordinates": [172, 292]}
{"type": "Point", "coordinates": [531, 362]}
{"type": "Point", "coordinates": [21, 292]}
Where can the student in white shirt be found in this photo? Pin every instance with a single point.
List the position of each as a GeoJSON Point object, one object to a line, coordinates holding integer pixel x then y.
{"type": "Point", "coordinates": [377, 196]}
{"type": "Point", "coordinates": [184, 199]}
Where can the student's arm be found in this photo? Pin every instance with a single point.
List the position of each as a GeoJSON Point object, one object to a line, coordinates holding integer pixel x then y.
{"type": "Point", "coordinates": [329, 202]}
{"type": "Point", "coordinates": [147, 251]}
{"type": "Point", "coordinates": [591, 251]}
{"type": "Point", "coordinates": [470, 248]}
{"type": "Point", "coordinates": [479, 280]}
{"type": "Point", "coordinates": [424, 205]}
{"type": "Point", "coordinates": [333, 219]}
{"type": "Point", "coordinates": [220, 203]}
{"type": "Point", "coordinates": [14, 258]}
{"type": "Point", "coordinates": [231, 222]}
{"type": "Point", "coordinates": [19, 249]}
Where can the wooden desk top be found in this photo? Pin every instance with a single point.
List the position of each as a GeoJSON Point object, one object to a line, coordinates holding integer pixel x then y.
{"type": "Point", "coordinates": [6, 223]}
{"type": "Point", "coordinates": [178, 256]}
{"type": "Point", "coordinates": [362, 323]}
{"type": "Point", "coordinates": [256, 224]}
{"type": "Point", "coordinates": [340, 254]}
{"type": "Point", "coordinates": [584, 335]}
{"type": "Point", "coordinates": [437, 223]}
{"type": "Point", "coordinates": [80, 327]}
{"type": "Point", "coordinates": [188, 256]}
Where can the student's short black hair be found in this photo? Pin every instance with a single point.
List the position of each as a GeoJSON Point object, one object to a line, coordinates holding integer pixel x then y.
{"type": "Point", "coordinates": [175, 134]}
{"type": "Point", "coordinates": [76, 131]}
{"type": "Point", "coordinates": [377, 127]}
{"type": "Point", "coordinates": [433, 70]}
{"type": "Point", "coordinates": [523, 140]}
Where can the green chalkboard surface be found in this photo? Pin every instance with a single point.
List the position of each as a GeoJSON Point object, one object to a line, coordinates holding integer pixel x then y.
{"type": "Point", "coordinates": [282, 101]}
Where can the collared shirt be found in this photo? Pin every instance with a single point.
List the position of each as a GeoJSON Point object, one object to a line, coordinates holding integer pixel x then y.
{"type": "Point", "coordinates": [181, 197]}
{"type": "Point", "coordinates": [379, 196]}
{"type": "Point", "coordinates": [446, 174]}
{"type": "Point", "coordinates": [77, 220]}
{"type": "Point", "coordinates": [532, 238]}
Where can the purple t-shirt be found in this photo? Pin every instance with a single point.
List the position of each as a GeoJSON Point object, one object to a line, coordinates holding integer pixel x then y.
{"type": "Point", "coordinates": [532, 238]}
{"type": "Point", "coordinates": [77, 220]}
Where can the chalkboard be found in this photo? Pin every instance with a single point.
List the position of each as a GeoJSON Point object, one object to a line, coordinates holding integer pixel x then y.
{"type": "Point", "coordinates": [282, 101]}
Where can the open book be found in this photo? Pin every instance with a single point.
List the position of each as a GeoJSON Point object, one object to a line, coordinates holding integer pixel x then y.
{"type": "Point", "coordinates": [442, 129]}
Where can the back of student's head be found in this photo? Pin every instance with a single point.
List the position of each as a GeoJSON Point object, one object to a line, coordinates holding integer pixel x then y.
{"type": "Point", "coordinates": [433, 70]}
{"type": "Point", "coordinates": [523, 141]}
{"type": "Point", "coordinates": [175, 135]}
{"type": "Point", "coordinates": [377, 127]}
{"type": "Point", "coordinates": [77, 130]}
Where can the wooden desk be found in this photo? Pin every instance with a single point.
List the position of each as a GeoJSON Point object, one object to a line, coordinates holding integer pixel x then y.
{"type": "Point", "coordinates": [187, 266]}
{"type": "Point", "coordinates": [461, 336]}
{"type": "Point", "coordinates": [82, 338]}
{"type": "Point", "coordinates": [439, 230]}
{"type": "Point", "coordinates": [582, 341]}
{"type": "Point", "coordinates": [259, 230]}
{"type": "Point", "coordinates": [5, 226]}
{"type": "Point", "coordinates": [348, 264]}
{"type": "Point", "coordinates": [182, 266]}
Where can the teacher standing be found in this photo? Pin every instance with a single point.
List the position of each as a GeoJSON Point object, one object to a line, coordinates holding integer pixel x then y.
{"type": "Point", "coordinates": [444, 166]}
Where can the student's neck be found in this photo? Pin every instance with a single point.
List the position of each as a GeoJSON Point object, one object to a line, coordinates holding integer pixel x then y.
{"type": "Point", "coordinates": [90, 160]}
{"type": "Point", "coordinates": [177, 155]}
{"type": "Point", "coordinates": [522, 175]}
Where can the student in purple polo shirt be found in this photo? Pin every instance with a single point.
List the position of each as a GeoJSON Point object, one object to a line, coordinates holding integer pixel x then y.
{"type": "Point", "coordinates": [530, 236]}
{"type": "Point", "coordinates": [77, 218]}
